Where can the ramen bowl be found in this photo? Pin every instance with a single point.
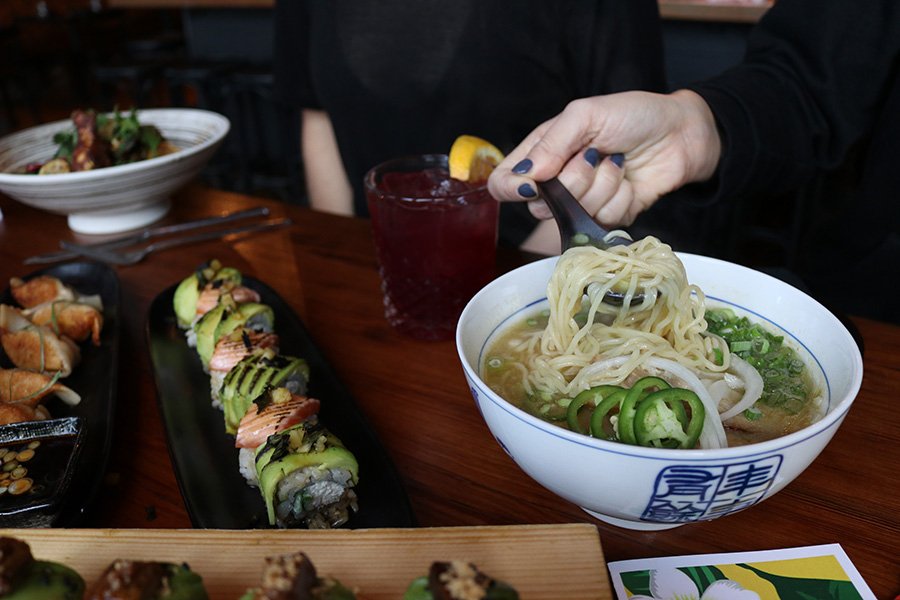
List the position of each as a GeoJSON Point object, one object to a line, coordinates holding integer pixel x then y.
{"type": "Point", "coordinates": [118, 198]}
{"type": "Point", "coordinates": [652, 488]}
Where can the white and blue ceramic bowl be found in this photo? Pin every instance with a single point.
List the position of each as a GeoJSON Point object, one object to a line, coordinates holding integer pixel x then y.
{"type": "Point", "coordinates": [116, 198]}
{"type": "Point", "coordinates": [646, 488]}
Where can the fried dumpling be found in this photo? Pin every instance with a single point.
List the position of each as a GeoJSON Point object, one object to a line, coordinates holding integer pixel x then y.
{"type": "Point", "coordinates": [18, 412]}
{"type": "Point", "coordinates": [76, 320]}
{"type": "Point", "coordinates": [27, 387]}
{"type": "Point", "coordinates": [35, 347]}
{"type": "Point", "coordinates": [39, 290]}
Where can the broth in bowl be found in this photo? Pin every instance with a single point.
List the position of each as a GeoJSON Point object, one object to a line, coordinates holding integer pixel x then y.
{"type": "Point", "coordinates": [791, 399]}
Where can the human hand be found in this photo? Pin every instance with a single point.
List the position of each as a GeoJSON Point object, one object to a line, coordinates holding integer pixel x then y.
{"type": "Point", "coordinates": [616, 153]}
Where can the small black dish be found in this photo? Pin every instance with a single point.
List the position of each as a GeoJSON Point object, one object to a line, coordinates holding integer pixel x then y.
{"type": "Point", "coordinates": [38, 460]}
{"type": "Point", "coordinates": [205, 459]}
{"type": "Point", "coordinates": [95, 380]}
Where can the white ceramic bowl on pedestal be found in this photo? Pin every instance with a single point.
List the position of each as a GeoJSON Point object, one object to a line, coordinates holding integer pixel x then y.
{"type": "Point", "coordinates": [647, 488]}
{"type": "Point", "coordinates": [119, 198]}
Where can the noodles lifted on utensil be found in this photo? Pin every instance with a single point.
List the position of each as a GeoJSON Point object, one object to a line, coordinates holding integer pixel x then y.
{"type": "Point", "coordinates": [587, 349]}
{"type": "Point", "coordinates": [583, 331]}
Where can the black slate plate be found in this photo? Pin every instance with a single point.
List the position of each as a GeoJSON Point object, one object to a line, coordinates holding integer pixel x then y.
{"type": "Point", "coordinates": [205, 459]}
{"type": "Point", "coordinates": [81, 435]}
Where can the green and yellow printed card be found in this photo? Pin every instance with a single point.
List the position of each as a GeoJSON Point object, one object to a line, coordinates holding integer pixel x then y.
{"type": "Point", "coordinates": [821, 572]}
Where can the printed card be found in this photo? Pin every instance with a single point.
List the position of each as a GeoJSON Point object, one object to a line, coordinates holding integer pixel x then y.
{"type": "Point", "coordinates": [822, 572]}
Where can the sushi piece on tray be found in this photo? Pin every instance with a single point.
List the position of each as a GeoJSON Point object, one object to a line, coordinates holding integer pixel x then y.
{"type": "Point", "coordinates": [294, 577]}
{"type": "Point", "coordinates": [306, 476]}
{"type": "Point", "coordinates": [228, 316]}
{"type": "Point", "coordinates": [199, 292]}
{"type": "Point", "coordinates": [147, 580]}
{"type": "Point", "coordinates": [22, 577]}
{"type": "Point", "coordinates": [255, 374]}
{"type": "Point", "coordinates": [458, 580]}
{"type": "Point", "coordinates": [275, 411]}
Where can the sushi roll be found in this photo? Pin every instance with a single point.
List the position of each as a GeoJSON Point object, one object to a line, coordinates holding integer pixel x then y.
{"type": "Point", "coordinates": [294, 577]}
{"type": "Point", "coordinates": [306, 476]}
{"type": "Point", "coordinates": [24, 578]}
{"type": "Point", "coordinates": [252, 376]}
{"type": "Point", "coordinates": [226, 317]}
{"type": "Point", "coordinates": [200, 291]}
{"type": "Point", "coordinates": [458, 580]}
{"type": "Point", "coordinates": [233, 348]}
{"type": "Point", "coordinates": [137, 580]}
{"type": "Point", "coordinates": [275, 411]}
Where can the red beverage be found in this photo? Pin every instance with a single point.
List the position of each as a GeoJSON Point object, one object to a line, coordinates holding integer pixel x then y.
{"type": "Point", "coordinates": [435, 238]}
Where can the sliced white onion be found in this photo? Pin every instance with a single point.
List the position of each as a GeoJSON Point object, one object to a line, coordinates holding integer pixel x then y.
{"type": "Point", "coordinates": [753, 387]}
{"type": "Point", "coordinates": [713, 434]}
{"type": "Point", "coordinates": [601, 366]}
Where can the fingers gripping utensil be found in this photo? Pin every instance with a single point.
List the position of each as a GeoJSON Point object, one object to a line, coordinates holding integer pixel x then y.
{"type": "Point", "coordinates": [578, 228]}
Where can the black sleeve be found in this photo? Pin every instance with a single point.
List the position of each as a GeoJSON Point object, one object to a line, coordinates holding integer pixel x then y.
{"type": "Point", "coordinates": [810, 87]}
{"type": "Point", "coordinates": [293, 81]}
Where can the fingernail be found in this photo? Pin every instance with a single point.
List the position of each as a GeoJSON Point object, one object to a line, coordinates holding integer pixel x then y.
{"type": "Point", "coordinates": [523, 166]}
{"type": "Point", "coordinates": [617, 159]}
{"type": "Point", "coordinates": [592, 156]}
{"type": "Point", "coordinates": [526, 191]}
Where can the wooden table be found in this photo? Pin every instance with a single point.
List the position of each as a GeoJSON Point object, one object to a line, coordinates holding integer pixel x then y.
{"type": "Point", "coordinates": [416, 397]}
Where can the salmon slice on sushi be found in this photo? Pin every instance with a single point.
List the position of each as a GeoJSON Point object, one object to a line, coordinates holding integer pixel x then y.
{"type": "Point", "coordinates": [273, 412]}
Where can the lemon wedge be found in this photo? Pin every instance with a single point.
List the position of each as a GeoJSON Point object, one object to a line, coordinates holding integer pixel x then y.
{"type": "Point", "coordinates": [472, 158]}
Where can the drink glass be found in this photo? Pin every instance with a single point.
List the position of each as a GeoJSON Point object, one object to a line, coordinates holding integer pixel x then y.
{"type": "Point", "coordinates": [435, 239]}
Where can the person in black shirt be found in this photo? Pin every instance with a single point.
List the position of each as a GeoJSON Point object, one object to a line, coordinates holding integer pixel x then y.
{"type": "Point", "coordinates": [817, 95]}
{"type": "Point", "coordinates": [387, 78]}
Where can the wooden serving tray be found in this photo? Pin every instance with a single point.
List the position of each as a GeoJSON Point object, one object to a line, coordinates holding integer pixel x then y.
{"type": "Point", "coordinates": [541, 561]}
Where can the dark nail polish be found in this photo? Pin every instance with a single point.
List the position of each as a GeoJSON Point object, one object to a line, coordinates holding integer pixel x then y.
{"type": "Point", "coordinates": [526, 191]}
{"type": "Point", "coordinates": [592, 156]}
{"type": "Point", "coordinates": [617, 159]}
{"type": "Point", "coordinates": [523, 166]}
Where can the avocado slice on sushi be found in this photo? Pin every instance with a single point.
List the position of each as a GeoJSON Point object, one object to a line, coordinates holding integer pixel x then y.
{"type": "Point", "coordinates": [188, 291]}
{"type": "Point", "coordinates": [458, 580]}
{"type": "Point", "coordinates": [294, 577]}
{"type": "Point", "coordinates": [127, 580]}
{"type": "Point", "coordinates": [251, 315]}
{"type": "Point", "coordinates": [24, 578]}
{"type": "Point", "coordinates": [205, 329]}
{"type": "Point", "coordinates": [306, 476]}
{"type": "Point", "coordinates": [252, 376]}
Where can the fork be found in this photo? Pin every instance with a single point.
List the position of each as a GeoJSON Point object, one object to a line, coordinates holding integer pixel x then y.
{"type": "Point", "coordinates": [146, 234]}
{"type": "Point", "coordinates": [135, 256]}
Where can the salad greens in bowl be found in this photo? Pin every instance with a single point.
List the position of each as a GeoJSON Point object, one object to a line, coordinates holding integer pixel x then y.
{"type": "Point", "coordinates": [109, 172]}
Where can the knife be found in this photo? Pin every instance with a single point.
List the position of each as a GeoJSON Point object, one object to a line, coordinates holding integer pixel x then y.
{"type": "Point", "coordinates": [73, 250]}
